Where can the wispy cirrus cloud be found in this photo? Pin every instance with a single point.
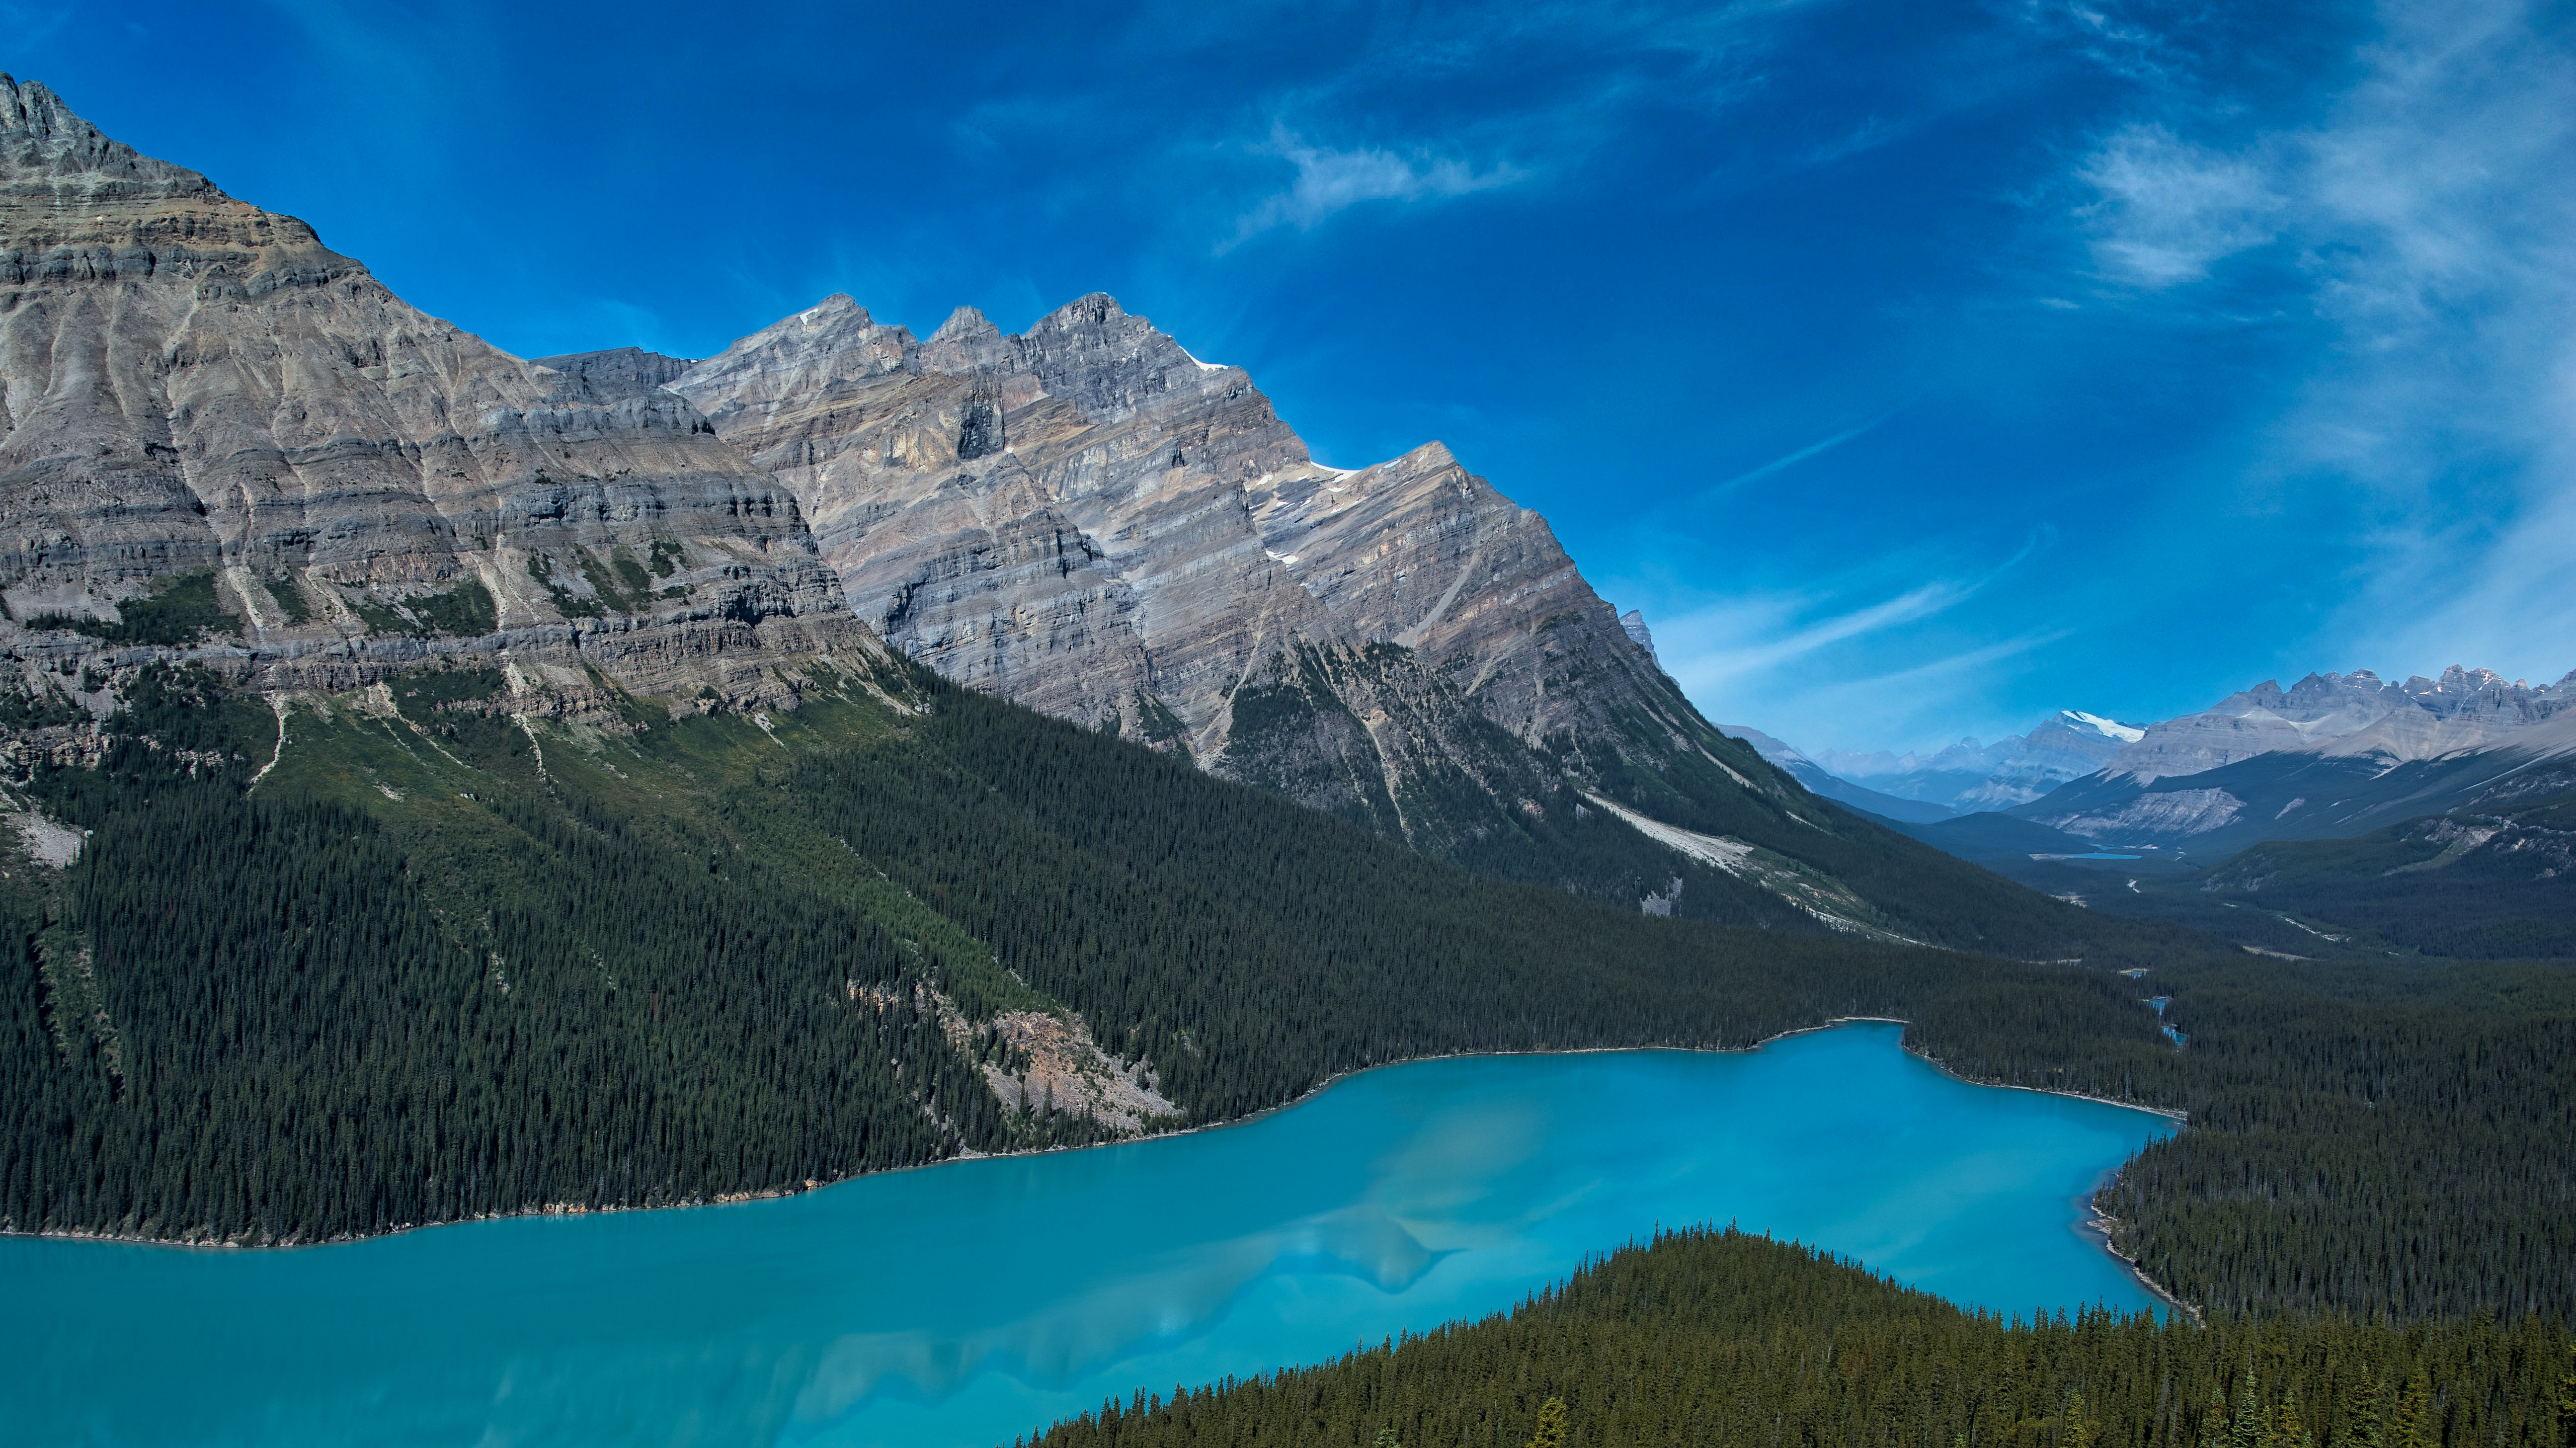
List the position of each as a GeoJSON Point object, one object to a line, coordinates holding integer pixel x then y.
{"type": "Point", "coordinates": [1329, 181]}
{"type": "Point", "coordinates": [1712, 648]}
{"type": "Point", "coordinates": [1880, 651]}
{"type": "Point", "coordinates": [2166, 210]}
{"type": "Point", "coordinates": [1796, 456]}
{"type": "Point", "coordinates": [2422, 218]}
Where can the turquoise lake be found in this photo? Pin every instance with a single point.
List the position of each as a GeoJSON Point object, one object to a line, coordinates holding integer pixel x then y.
{"type": "Point", "coordinates": [970, 1303]}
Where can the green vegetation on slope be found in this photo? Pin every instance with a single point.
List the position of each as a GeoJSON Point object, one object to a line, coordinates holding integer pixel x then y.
{"type": "Point", "coordinates": [447, 959]}
{"type": "Point", "coordinates": [1716, 1338]}
{"type": "Point", "coordinates": [2494, 883]}
{"type": "Point", "coordinates": [180, 609]}
{"type": "Point", "coordinates": [1486, 800]}
{"type": "Point", "coordinates": [2485, 885]}
{"type": "Point", "coordinates": [2372, 1139]}
{"type": "Point", "coordinates": [2395, 1141]}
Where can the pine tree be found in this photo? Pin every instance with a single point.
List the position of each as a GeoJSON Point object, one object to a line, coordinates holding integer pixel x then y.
{"type": "Point", "coordinates": [2567, 1402]}
{"type": "Point", "coordinates": [2360, 1427]}
{"type": "Point", "coordinates": [2413, 1426]}
{"type": "Point", "coordinates": [2285, 1430]}
{"type": "Point", "coordinates": [1551, 1425]}
{"type": "Point", "coordinates": [2246, 1424]}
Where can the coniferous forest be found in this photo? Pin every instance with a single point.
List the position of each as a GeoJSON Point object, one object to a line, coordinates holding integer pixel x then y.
{"type": "Point", "coordinates": [1713, 1337]}
{"type": "Point", "coordinates": [437, 960]}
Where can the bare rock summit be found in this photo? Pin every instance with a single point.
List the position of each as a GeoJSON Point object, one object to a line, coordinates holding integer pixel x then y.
{"type": "Point", "coordinates": [1087, 519]}
{"type": "Point", "coordinates": [191, 384]}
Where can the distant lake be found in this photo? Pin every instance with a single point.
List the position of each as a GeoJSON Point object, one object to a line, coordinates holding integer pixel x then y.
{"type": "Point", "coordinates": [969, 1303]}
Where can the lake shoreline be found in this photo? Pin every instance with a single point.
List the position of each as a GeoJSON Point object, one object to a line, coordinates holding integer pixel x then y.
{"type": "Point", "coordinates": [2099, 1225]}
{"type": "Point", "coordinates": [774, 1194]}
{"type": "Point", "coordinates": [964, 1307]}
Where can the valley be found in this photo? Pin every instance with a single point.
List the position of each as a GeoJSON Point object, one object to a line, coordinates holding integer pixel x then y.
{"type": "Point", "coordinates": [1071, 893]}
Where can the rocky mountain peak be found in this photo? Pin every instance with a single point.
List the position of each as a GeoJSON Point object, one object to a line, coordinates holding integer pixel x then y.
{"type": "Point", "coordinates": [966, 324]}
{"type": "Point", "coordinates": [74, 202]}
{"type": "Point", "coordinates": [618, 373]}
{"type": "Point", "coordinates": [826, 349]}
{"type": "Point", "coordinates": [2353, 713]}
{"type": "Point", "coordinates": [1634, 623]}
{"type": "Point", "coordinates": [967, 344]}
{"type": "Point", "coordinates": [1081, 517]}
{"type": "Point", "coordinates": [1085, 518]}
{"type": "Point", "coordinates": [352, 477]}
{"type": "Point", "coordinates": [2094, 724]}
{"type": "Point", "coordinates": [2455, 681]}
{"type": "Point", "coordinates": [43, 143]}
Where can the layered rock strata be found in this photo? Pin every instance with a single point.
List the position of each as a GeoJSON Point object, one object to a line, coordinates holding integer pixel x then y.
{"type": "Point", "coordinates": [221, 441]}
{"type": "Point", "coordinates": [1088, 520]}
{"type": "Point", "coordinates": [2345, 714]}
{"type": "Point", "coordinates": [189, 383]}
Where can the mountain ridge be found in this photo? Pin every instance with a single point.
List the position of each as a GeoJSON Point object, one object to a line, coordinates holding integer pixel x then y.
{"type": "Point", "coordinates": [229, 447]}
{"type": "Point", "coordinates": [2339, 733]}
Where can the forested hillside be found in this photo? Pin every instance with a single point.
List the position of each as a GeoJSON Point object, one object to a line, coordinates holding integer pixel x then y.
{"type": "Point", "coordinates": [2385, 1140]}
{"type": "Point", "coordinates": [1715, 1338]}
{"type": "Point", "coordinates": [431, 956]}
{"type": "Point", "coordinates": [2497, 882]}
{"type": "Point", "coordinates": [2492, 883]}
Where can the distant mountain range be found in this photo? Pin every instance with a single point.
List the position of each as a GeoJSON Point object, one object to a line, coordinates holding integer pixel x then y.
{"type": "Point", "coordinates": [2332, 756]}
{"type": "Point", "coordinates": [1969, 776]}
{"type": "Point", "coordinates": [2343, 817]}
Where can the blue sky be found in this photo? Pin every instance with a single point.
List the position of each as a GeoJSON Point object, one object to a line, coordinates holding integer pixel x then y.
{"type": "Point", "coordinates": [1918, 369]}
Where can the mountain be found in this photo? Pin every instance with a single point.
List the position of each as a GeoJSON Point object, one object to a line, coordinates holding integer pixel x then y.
{"type": "Point", "coordinates": [2475, 883]}
{"type": "Point", "coordinates": [202, 394]}
{"type": "Point", "coordinates": [1634, 622]}
{"type": "Point", "coordinates": [230, 447]}
{"type": "Point", "coordinates": [2332, 756]}
{"type": "Point", "coordinates": [1969, 776]}
{"type": "Point", "coordinates": [2353, 713]}
{"type": "Point", "coordinates": [1086, 519]}
{"type": "Point", "coordinates": [2487, 881]}
{"type": "Point", "coordinates": [440, 784]}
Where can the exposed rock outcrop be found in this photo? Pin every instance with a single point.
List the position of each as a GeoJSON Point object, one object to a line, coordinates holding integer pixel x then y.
{"type": "Point", "coordinates": [188, 382]}
{"type": "Point", "coordinates": [223, 443]}
{"type": "Point", "coordinates": [1088, 520]}
{"type": "Point", "coordinates": [2346, 714]}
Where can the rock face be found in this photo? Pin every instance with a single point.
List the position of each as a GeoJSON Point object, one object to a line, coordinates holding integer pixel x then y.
{"type": "Point", "coordinates": [1634, 622]}
{"type": "Point", "coordinates": [224, 444]}
{"type": "Point", "coordinates": [1086, 519]}
{"type": "Point", "coordinates": [188, 382]}
{"type": "Point", "coordinates": [2345, 714]}
{"type": "Point", "coordinates": [2332, 756]}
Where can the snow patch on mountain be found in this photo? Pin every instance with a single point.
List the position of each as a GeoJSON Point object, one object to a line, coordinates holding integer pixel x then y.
{"type": "Point", "coordinates": [2107, 728]}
